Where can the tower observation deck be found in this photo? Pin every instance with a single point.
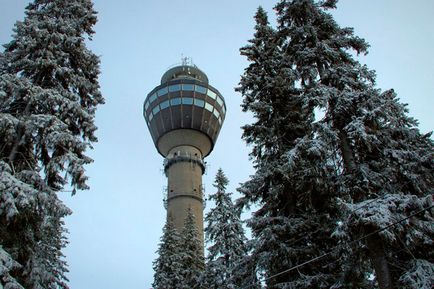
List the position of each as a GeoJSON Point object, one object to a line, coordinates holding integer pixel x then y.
{"type": "Point", "coordinates": [184, 115]}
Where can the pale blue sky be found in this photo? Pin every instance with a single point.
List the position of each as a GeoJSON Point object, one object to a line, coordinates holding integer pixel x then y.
{"type": "Point", "coordinates": [116, 225]}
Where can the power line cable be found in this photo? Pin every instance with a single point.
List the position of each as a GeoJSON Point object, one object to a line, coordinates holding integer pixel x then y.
{"type": "Point", "coordinates": [312, 233]}
{"type": "Point", "coordinates": [339, 246]}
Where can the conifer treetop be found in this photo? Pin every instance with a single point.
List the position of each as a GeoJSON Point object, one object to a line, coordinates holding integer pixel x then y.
{"type": "Point", "coordinates": [49, 92]}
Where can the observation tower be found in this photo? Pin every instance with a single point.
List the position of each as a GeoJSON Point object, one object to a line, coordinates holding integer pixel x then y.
{"type": "Point", "coordinates": [184, 115]}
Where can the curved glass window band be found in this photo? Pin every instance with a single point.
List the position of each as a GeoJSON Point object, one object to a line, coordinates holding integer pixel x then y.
{"type": "Point", "coordinates": [186, 101]}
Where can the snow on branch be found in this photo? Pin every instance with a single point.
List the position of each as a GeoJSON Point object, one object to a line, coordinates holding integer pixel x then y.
{"type": "Point", "coordinates": [419, 276]}
{"type": "Point", "coordinates": [390, 209]}
{"type": "Point", "coordinates": [6, 265]}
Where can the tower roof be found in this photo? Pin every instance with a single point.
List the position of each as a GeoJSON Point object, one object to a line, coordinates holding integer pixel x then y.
{"type": "Point", "coordinates": [184, 72]}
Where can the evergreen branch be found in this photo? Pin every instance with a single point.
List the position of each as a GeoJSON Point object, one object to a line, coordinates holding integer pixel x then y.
{"type": "Point", "coordinates": [339, 247]}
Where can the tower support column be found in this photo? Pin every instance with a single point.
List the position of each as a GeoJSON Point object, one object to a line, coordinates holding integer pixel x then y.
{"type": "Point", "coordinates": [184, 167]}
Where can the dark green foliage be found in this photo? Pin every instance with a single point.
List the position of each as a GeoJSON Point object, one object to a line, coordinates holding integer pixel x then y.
{"type": "Point", "coordinates": [167, 266]}
{"type": "Point", "coordinates": [48, 96]}
{"type": "Point", "coordinates": [192, 263]}
{"type": "Point", "coordinates": [325, 142]}
{"type": "Point", "coordinates": [180, 257]}
{"type": "Point", "coordinates": [225, 235]}
{"type": "Point", "coordinates": [290, 183]}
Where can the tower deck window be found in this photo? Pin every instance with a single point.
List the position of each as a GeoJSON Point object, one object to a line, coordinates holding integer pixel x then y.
{"type": "Point", "coordinates": [175, 101]}
{"type": "Point", "coordinates": [200, 89]}
{"type": "Point", "coordinates": [153, 98]}
{"type": "Point", "coordinates": [220, 101]}
{"type": "Point", "coordinates": [188, 87]}
{"type": "Point", "coordinates": [208, 106]}
{"type": "Point", "coordinates": [155, 110]}
{"type": "Point", "coordinates": [162, 91]}
{"type": "Point", "coordinates": [187, 100]}
{"type": "Point", "coordinates": [211, 94]}
{"type": "Point", "coordinates": [199, 102]}
{"type": "Point", "coordinates": [164, 104]}
{"type": "Point", "coordinates": [175, 87]}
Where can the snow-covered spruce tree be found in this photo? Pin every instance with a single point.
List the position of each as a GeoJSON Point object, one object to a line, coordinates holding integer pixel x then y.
{"type": "Point", "coordinates": [167, 266]}
{"type": "Point", "coordinates": [386, 163]}
{"type": "Point", "coordinates": [297, 209]}
{"type": "Point", "coordinates": [7, 264]}
{"type": "Point", "coordinates": [225, 236]}
{"type": "Point", "coordinates": [48, 95]}
{"type": "Point", "coordinates": [245, 271]}
{"type": "Point", "coordinates": [192, 263]}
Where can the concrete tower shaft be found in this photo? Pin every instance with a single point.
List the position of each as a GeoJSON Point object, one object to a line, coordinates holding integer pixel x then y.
{"type": "Point", "coordinates": [184, 168]}
{"type": "Point", "coordinates": [184, 115]}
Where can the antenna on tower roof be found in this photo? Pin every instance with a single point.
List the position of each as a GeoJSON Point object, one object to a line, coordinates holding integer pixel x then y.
{"type": "Point", "coordinates": [187, 61]}
{"type": "Point", "coordinates": [184, 61]}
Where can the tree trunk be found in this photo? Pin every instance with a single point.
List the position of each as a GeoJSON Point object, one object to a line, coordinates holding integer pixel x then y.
{"type": "Point", "coordinates": [379, 261]}
{"type": "Point", "coordinates": [374, 243]}
{"type": "Point", "coordinates": [347, 154]}
{"type": "Point", "coordinates": [20, 134]}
